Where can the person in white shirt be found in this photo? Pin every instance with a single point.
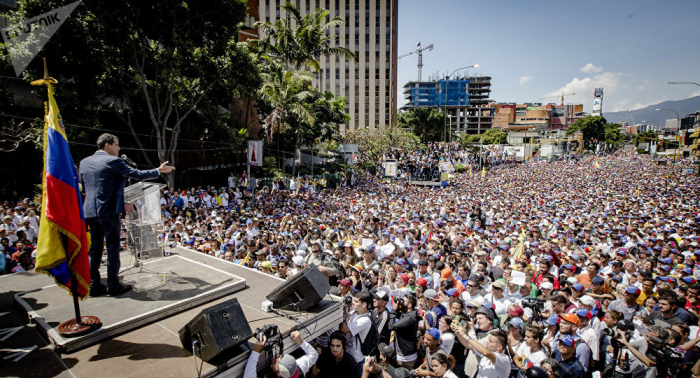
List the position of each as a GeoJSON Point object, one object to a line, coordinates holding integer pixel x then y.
{"type": "Point", "coordinates": [495, 363]}
{"type": "Point", "coordinates": [587, 333]}
{"type": "Point", "coordinates": [472, 292]}
{"type": "Point", "coordinates": [33, 218]}
{"type": "Point", "coordinates": [287, 366]}
{"type": "Point", "coordinates": [358, 325]}
{"type": "Point", "coordinates": [530, 352]}
{"type": "Point", "coordinates": [10, 229]}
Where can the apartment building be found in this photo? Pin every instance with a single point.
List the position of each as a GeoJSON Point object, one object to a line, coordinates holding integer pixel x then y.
{"type": "Point", "coordinates": [371, 31]}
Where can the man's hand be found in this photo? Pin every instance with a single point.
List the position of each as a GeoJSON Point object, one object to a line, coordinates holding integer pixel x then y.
{"type": "Point", "coordinates": [322, 269]}
{"type": "Point", "coordinates": [394, 304]}
{"type": "Point", "coordinates": [165, 168]}
{"type": "Point", "coordinates": [296, 336]}
{"type": "Point", "coordinates": [369, 365]}
{"type": "Point", "coordinates": [259, 344]}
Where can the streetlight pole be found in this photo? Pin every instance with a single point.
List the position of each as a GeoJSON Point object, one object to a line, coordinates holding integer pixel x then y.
{"type": "Point", "coordinates": [691, 83]}
{"type": "Point", "coordinates": [444, 130]}
{"type": "Point", "coordinates": [678, 131]}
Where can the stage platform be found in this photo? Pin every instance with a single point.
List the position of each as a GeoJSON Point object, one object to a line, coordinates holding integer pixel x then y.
{"type": "Point", "coordinates": [139, 334]}
{"type": "Point", "coordinates": [425, 183]}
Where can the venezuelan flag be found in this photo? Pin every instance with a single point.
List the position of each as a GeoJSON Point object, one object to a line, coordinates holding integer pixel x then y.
{"type": "Point", "coordinates": [63, 242]}
{"type": "Point", "coordinates": [244, 262]}
{"type": "Point", "coordinates": [597, 165]}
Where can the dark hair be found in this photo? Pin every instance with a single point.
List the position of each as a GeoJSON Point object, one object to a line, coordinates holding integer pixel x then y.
{"type": "Point", "coordinates": [364, 296]}
{"type": "Point", "coordinates": [558, 298]}
{"type": "Point", "coordinates": [675, 335]}
{"type": "Point", "coordinates": [446, 360]}
{"type": "Point", "coordinates": [556, 367]}
{"type": "Point", "coordinates": [413, 301]}
{"type": "Point", "coordinates": [684, 329]}
{"type": "Point", "coordinates": [615, 314]}
{"type": "Point", "coordinates": [340, 336]}
{"type": "Point", "coordinates": [537, 332]}
{"type": "Point", "coordinates": [105, 138]}
{"type": "Point", "coordinates": [502, 339]}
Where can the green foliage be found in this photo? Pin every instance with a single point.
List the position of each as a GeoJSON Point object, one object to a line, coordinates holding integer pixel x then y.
{"type": "Point", "coordinates": [491, 136]}
{"type": "Point", "coordinates": [373, 143]}
{"type": "Point", "coordinates": [645, 137]}
{"type": "Point", "coordinates": [460, 168]}
{"type": "Point", "coordinates": [593, 129]}
{"type": "Point", "coordinates": [302, 41]}
{"type": "Point", "coordinates": [156, 65]}
{"type": "Point", "coordinates": [427, 123]}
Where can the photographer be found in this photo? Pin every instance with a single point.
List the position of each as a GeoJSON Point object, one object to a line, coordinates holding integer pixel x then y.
{"type": "Point", "coordinates": [358, 325]}
{"type": "Point", "coordinates": [657, 351]}
{"type": "Point", "coordinates": [286, 366]}
{"type": "Point", "coordinates": [405, 328]}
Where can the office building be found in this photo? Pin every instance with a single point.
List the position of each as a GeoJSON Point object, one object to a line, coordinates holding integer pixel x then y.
{"type": "Point", "coordinates": [466, 99]}
{"type": "Point", "coordinates": [371, 31]}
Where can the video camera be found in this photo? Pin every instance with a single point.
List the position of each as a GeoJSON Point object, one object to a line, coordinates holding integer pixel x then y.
{"type": "Point", "coordinates": [534, 303]}
{"type": "Point", "coordinates": [665, 357]}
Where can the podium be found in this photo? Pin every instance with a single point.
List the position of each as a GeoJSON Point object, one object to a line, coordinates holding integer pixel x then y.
{"type": "Point", "coordinates": [145, 263]}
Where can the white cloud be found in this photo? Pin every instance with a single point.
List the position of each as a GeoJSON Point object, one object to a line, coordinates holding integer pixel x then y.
{"type": "Point", "coordinates": [584, 88]}
{"type": "Point", "coordinates": [524, 80]}
{"type": "Point", "coordinates": [591, 68]}
{"type": "Point", "coordinates": [644, 86]}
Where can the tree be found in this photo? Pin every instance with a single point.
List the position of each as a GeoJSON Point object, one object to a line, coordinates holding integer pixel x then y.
{"type": "Point", "coordinates": [428, 123]}
{"type": "Point", "coordinates": [156, 63]}
{"type": "Point", "coordinates": [593, 129]}
{"type": "Point", "coordinates": [302, 41]}
{"type": "Point", "coordinates": [373, 143]}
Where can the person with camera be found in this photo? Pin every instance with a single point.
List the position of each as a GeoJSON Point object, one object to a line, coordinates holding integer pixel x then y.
{"type": "Point", "coordinates": [403, 321]}
{"type": "Point", "coordinates": [286, 366]}
{"type": "Point", "coordinates": [322, 260]}
{"type": "Point", "coordinates": [653, 351]}
{"type": "Point", "coordinates": [358, 325]}
{"type": "Point", "coordinates": [493, 363]}
{"type": "Point", "coordinates": [335, 362]}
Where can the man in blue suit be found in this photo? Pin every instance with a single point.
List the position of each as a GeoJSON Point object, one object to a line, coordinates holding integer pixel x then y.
{"type": "Point", "coordinates": [103, 176]}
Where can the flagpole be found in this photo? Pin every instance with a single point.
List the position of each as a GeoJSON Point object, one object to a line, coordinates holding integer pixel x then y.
{"type": "Point", "coordinates": [79, 325]}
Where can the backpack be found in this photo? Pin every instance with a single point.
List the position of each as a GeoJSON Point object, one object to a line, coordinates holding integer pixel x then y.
{"type": "Point", "coordinates": [371, 341]}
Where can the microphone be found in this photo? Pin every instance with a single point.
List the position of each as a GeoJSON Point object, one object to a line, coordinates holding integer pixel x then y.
{"type": "Point", "coordinates": [128, 161]}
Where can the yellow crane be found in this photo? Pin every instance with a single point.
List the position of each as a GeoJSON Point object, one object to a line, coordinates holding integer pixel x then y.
{"type": "Point", "coordinates": [562, 97]}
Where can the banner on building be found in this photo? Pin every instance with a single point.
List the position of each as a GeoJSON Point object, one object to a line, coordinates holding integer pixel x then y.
{"type": "Point", "coordinates": [597, 102]}
{"type": "Point", "coordinates": [255, 154]}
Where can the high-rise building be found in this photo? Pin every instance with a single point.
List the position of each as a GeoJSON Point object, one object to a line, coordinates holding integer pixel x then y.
{"type": "Point", "coordinates": [466, 99]}
{"type": "Point", "coordinates": [371, 31]}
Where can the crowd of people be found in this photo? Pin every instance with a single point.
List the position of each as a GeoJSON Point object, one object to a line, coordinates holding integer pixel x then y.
{"type": "Point", "coordinates": [560, 268]}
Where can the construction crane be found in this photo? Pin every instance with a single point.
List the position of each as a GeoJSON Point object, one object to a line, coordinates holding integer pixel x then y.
{"type": "Point", "coordinates": [419, 51]}
{"type": "Point", "coordinates": [562, 97]}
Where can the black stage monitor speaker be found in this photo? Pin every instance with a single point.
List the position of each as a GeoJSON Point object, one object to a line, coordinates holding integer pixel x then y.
{"type": "Point", "coordinates": [301, 292]}
{"type": "Point", "coordinates": [216, 330]}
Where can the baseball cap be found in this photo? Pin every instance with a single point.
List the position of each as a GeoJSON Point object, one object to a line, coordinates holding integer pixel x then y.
{"type": "Point", "coordinates": [432, 294]}
{"type": "Point", "coordinates": [571, 318]}
{"type": "Point", "coordinates": [422, 282]}
{"type": "Point", "coordinates": [587, 300]}
{"type": "Point", "coordinates": [516, 311]}
{"type": "Point", "coordinates": [633, 290]}
{"type": "Point", "coordinates": [552, 320]}
{"type": "Point", "coordinates": [434, 333]}
{"type": "Point", "coordinates": [584, 312]}
{"type": "Point", "coordinates": [617, 277]}
{"type": "Point", "coordinates": [578, 287]}
{"type": "Point", "coordinates": [345, 282]}
{"type": "Point", "coordinates": [597, 280]}
{"type": "Point", "coordinates": [567, 340]}
{"type": "Point", "coordinates": [287, 367]}
{"type": "Point", "coordinates": [516, 322]}
{"type": "Point", "coordinates": [547, 285]}
{"type": "Point", "coordinates": [381, 295]}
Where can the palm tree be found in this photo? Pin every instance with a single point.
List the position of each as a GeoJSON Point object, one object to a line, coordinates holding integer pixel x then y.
{"type": "Point", "coordinates": [289, 93]}
{"type": "Point", "coordinates": [302, 41]}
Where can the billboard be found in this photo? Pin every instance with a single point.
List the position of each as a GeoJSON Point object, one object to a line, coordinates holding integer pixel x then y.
{"type": "Point", "coordinates": [255, 157]}
{"type": "Point", "coordinates": [597, 102]}
{"type": "Point", "coordinates": [390, 168]}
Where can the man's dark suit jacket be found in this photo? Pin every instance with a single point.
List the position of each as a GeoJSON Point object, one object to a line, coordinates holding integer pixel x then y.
{"type": "Point", "coordinates": [103, 177]}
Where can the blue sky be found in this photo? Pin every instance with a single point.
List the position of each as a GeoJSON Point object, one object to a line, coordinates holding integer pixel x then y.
{"type": "Point", "coordinates": [535, 49]}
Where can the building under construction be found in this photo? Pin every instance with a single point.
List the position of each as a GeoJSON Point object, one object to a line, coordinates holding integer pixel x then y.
{"type": "Point", "coordinates": [466, 98]}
